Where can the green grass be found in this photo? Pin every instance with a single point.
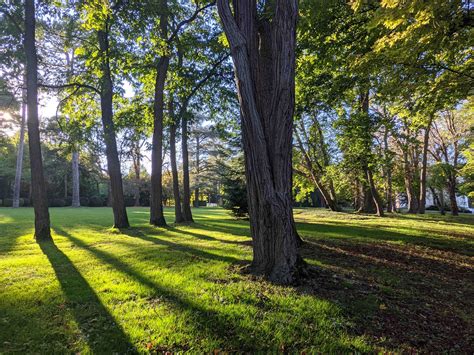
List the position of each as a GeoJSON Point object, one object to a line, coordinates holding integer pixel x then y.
{"type": "Point", "coordinates": [99, 290]}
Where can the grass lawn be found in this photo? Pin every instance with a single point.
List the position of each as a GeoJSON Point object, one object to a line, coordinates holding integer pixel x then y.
{"type": "Point", "coordinates": [395, 283]}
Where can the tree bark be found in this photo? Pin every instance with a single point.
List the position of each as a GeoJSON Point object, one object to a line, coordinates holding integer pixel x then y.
{"type": "Point", "coordinates": [452, 195]}
{"type": "Point", "coordinates": [178, 215]}
{"type": "Point", "coordinates": [411, 196]}
{"type": "Point", "coordinates": [388, 175]}
{"type": "Point", "coordinates": [137, 170]}
{"type": "Point", "coordinates": [187, 214]}
{"type": "Point", "coordinates": [374, 193]}
{"type": "Point", "coordinates": [76, 199]}
{"type": "Point", "coordinates": [40, 199]}
{"type": "Point", "coordinates": [424, 166]}
{"type": "Point", "coordinates": [19, 158]}
{"type": "Point", "coordinates": [157, 217]}
{"type": "Point", "coordinates": [196, 189]}
{"type": "Point", "coordinates": [263, 53]}
{"type": "Point", "coordinates": [113, 163]}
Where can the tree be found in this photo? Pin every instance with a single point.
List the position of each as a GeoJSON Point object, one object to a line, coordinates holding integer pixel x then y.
{"type": "Point", "coordinates": [19, 157]}
{"type": "Point", "coordinates": [40, 199]}
{"type": "Point", "coordinates": [262, 45]}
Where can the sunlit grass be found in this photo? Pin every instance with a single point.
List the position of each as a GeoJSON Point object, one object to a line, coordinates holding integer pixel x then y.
{"type": "Point", "coordinates": [154, 289]}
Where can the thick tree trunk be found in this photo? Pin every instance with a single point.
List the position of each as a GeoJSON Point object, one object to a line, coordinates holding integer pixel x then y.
{"type": "Point", "coordinates": [187, 214]}
{"type": "Point", "coordinates": [424, 166]}
{"type": "Point", "coordinates": [174, 170]}
{"type": "Point", "coordinates": [157, 217]}
{"type": "Point", "coordinates": [40, 199]}
{"type": "Point", "coordinates": [113, 163]}
{"type": "Point", "coordinates": [265, 81]}
{"type": "Point", "coordinates": [76, 199]}
{"type": "Point", "coordinates": [19, 157]}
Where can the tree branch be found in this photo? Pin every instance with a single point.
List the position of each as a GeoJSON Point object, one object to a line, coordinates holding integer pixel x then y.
{"type": "Point", "coordinates": [73, 85]}
{"type": "Point", "coordinates": [180, 25]}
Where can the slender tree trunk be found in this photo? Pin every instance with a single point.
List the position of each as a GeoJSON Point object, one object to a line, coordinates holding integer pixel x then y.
{"type": "Point", "coordinates": [113, 163]}
{"type": "Point", "coordinates": [19, 158]}
{"type": "Point", "coordinates": [76, 199]}
{"type": "Point", "coordinates": [178, 215]}
{"type": "Point", "coordinates": [137, 168]}
{"type": "Point", "coordinates": [388, 171]}
{"type": "Point", "coordinates": [411, 197]}
{"type": "Point", "coordinates": [40, 199]}
{"type": "Point", "coordinates": [157, 217]}
{"type": "Point", "coordinates": [374, 193]}
{"type": "Point", "coordinates": [188, 217]}
{"type": "Point", "coordinates": [263, 52]}
{"type": "Point", "coordinates": [196, 189]}
{"type": "Point", "coordinates": [424, 166]}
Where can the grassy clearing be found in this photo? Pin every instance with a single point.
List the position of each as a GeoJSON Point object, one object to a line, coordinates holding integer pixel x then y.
{"type": "Point", "coordinates": [373, 282]}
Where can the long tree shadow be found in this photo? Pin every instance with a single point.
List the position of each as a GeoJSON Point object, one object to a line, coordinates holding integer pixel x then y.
{"type": "Point", "coordinates": [98, 328]}
{"type": "Point", "coordinates": [138, 233]}
{"type": "Point", "coordinates": [377, 234]}
{"type": "Point", "coordinates": [399, 295]}
{"type": "Point", "coordinates": [209, 323]}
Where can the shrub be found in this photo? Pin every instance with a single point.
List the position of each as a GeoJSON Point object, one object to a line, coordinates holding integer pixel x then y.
{"type": "Point", "coordinates": [96, 201]}
{"type": "Point", "coordinates": [129, 200]}
{"type": "Point", "coordinates": [84, 201]}
{"type": "Point", "coordinates": [57, 202]}
{"type": "Point", "coordinates": [68, 201]}
{"type": "Point", "coordinates": [8, 202]}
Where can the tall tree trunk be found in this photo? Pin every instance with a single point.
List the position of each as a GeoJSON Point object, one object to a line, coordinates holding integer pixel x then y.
{"type": "Point", "coordinates": [137, 170]}
{"type": "Point", "coordinates": [265, 82]}
{"type": "Point", "coordinates": [188, 216]}
{"type": "Point", "coordinates": [196, 189]}
{"type": "Point", "coordinates": [411, 196]}
{"type": "Point", "coordinates": [178, 215]}
{"type": "Point", "coordinates": [113, 163]}
{"type": "Point", "coordinates": [40, 199]}
{"type": "Point", "coordinates": [19, 157]}
{"type": "Point", "coordinates": [424, 166]}
{"type": "Point", "coordinates": [388, 175]}
{"type": "Point", "coordinates": [76, 198]}
{"type": "Point", "coordinates": [364, 101]}
{"type": "Point", "coordinates": [157, 217]}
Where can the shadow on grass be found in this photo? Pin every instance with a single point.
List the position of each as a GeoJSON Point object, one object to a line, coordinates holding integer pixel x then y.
{"type": "Point", "coordinates": [208, 322]}
{"type": "Point", "coordinates": [380, 233]}
{"type": "Point", "coordinates": [98, 328]}
{"type": "Point", "coordinates": [142, 233]}
{"type": "Point", "coordinates": [399, 295]}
